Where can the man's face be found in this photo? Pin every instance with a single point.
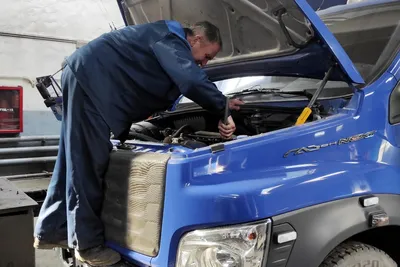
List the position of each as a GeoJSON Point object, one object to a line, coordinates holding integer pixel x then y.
{"type": "Point", "coordinates": [203, 50]}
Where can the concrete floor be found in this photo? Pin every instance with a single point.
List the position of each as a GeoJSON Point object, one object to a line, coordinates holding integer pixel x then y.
{"type": "Point", "coordinates": [47, 258]}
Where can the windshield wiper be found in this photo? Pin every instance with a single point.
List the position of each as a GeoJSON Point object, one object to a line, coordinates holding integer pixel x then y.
{"type": "Point", "coordinates": [272, 91]}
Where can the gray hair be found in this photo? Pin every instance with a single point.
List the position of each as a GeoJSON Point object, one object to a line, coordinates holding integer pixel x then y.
{"type": "Point", "coordinates": [210, 31]}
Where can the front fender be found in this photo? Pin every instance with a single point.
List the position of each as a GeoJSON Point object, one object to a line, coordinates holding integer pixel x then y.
{"type": "Point", "coordinates": [322, 227]}
{"type": "Point", "coordinates": [232, 197]}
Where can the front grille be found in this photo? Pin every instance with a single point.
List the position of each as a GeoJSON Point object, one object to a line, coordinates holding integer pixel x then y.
{"type": "Point", "coordinates": [133, 202]}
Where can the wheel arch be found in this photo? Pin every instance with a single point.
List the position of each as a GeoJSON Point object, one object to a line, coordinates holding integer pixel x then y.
{"type": "Point", "coordinates": [323, 227]}
{"type": "Point", "coordinates": [385, 238]}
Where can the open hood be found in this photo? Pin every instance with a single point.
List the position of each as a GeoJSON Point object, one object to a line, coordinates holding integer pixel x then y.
{"type": "Point", "coordinates": [250, 29]}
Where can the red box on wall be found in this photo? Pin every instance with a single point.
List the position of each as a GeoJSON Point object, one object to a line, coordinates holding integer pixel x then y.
{"type": "Point", "coordinates": [11, 109]}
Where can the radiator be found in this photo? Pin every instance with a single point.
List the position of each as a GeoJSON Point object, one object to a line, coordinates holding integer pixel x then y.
{"type": "Point", "coordinates": [133, 202]}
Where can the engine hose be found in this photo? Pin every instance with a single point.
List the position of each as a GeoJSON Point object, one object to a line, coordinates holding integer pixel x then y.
{"type": "Point", "coordinates": [178, 132]}
{"type": "Point", "coordinates": [143, 137]}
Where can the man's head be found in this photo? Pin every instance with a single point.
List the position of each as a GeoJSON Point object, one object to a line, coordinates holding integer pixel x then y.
{"type": "Point", "coordinates": [205, 40]}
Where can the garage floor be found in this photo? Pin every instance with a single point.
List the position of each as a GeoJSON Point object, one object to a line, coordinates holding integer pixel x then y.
{"type": "Point", "coordinates": [47, 258]}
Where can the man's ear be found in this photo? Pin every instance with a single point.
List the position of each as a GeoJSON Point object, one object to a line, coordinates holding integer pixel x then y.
{"type": "Point", "coordinates": [198, 38]}
{"type": "Point", "coordinates": [193, 40]}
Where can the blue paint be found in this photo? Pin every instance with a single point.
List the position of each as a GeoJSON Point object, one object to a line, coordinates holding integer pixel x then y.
{"type": "Point", "coordinates": [293, 64]}
{"type": "Point", "coordinates": [300, 64]}
{"type": "Point", "coordinates": [395, 68]}
{"type": "Point", "coordinates": [251, 180]}
{"type": "Point", "coordinates": [326, 35]}
{"type": "Point", "coordinates": [176, 103]}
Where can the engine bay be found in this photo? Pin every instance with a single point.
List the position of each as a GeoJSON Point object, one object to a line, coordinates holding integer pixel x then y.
{"type": "Point", "coordinates": [196, 128]}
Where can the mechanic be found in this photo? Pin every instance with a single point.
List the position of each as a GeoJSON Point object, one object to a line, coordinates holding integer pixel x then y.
{"type": "Point", "coordinates": [119, 78]}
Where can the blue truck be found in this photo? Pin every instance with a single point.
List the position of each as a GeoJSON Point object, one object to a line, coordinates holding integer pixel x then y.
{"type": "Point", "coordinates": [312, 175]}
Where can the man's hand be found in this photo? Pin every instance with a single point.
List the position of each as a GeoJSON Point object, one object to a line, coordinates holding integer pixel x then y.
{"type": "Point", "coordinates": [235, 104]}
{"type": "Point", "coordinates": [226, 130]}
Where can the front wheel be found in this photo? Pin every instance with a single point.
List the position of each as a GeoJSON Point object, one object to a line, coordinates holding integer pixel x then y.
{"type": "Point", "coordinates": [356, 254]}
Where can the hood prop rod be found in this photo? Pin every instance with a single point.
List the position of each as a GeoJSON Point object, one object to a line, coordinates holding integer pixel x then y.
{"type": "Point", "coordinates": [307, 110]}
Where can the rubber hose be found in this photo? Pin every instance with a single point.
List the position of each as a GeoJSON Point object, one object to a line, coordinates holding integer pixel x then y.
{"type": "Point", "coordinates": [179, 130]}
{"type": "Point", "coordinates": [143, 137]}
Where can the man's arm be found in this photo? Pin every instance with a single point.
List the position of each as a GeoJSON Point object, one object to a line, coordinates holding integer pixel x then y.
{"type": "Point", "coordinates": [177, 61]}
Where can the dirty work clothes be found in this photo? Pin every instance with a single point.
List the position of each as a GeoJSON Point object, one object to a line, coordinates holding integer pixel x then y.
{"type": "Point", "coordinates": [74, 197]}
{"type": "Point", "coordinates": [136, 71]}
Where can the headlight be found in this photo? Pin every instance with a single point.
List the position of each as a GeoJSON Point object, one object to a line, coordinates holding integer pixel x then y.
{"type": "Point", "coordinates": [234, 246]}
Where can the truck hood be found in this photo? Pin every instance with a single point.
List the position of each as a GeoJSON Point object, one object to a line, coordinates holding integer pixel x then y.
{"type": "Point", "coordinates": [252, 31]}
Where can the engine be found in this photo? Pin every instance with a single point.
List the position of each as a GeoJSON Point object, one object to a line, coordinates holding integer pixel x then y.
{"type": "Point", "coordinates": [186, 134]}
{"type": "Point", "coordinates": [198, 129]}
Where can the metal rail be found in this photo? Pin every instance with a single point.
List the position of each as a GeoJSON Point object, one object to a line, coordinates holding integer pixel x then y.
{"type": "Point", "coordinates": [10, 162]}
{"type": "Point", "coordinates": [29, 138]}
{"type": "Point", "coordinates": [28, 162]}
{"type": "Point", "coordinates": [32, 149]}
{"type": "Point", "coordinates": [27, 155]}
{"type": "Point", "coordinates": [38, 37]}
{"type": "Point", "coordinates": [28, 176]}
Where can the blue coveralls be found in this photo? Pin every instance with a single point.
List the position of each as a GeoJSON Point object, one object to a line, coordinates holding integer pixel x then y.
{"type": "Point", "coordinates": [119, 78]}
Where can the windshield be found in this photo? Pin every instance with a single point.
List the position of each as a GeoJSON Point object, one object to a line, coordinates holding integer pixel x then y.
{"type": "Point", "coordinates": [284, 84]}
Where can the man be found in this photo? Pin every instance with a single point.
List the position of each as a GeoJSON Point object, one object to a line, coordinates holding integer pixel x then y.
{"type": "Point", "coordinates": [119, 78]}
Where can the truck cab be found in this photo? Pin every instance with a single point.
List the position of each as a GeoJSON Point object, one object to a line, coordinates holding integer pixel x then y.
{"type": "Point", "coordinates": [311, 177]}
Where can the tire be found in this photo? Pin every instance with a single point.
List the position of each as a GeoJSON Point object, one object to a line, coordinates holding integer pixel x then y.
{"type": "Point", "coordinates": [356, 254]}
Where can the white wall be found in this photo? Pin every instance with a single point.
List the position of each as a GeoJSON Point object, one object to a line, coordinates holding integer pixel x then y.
{"type": "Point", "coordinates": [72, 19]}
{"type": "Point", "coordinates": [80, 20]}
